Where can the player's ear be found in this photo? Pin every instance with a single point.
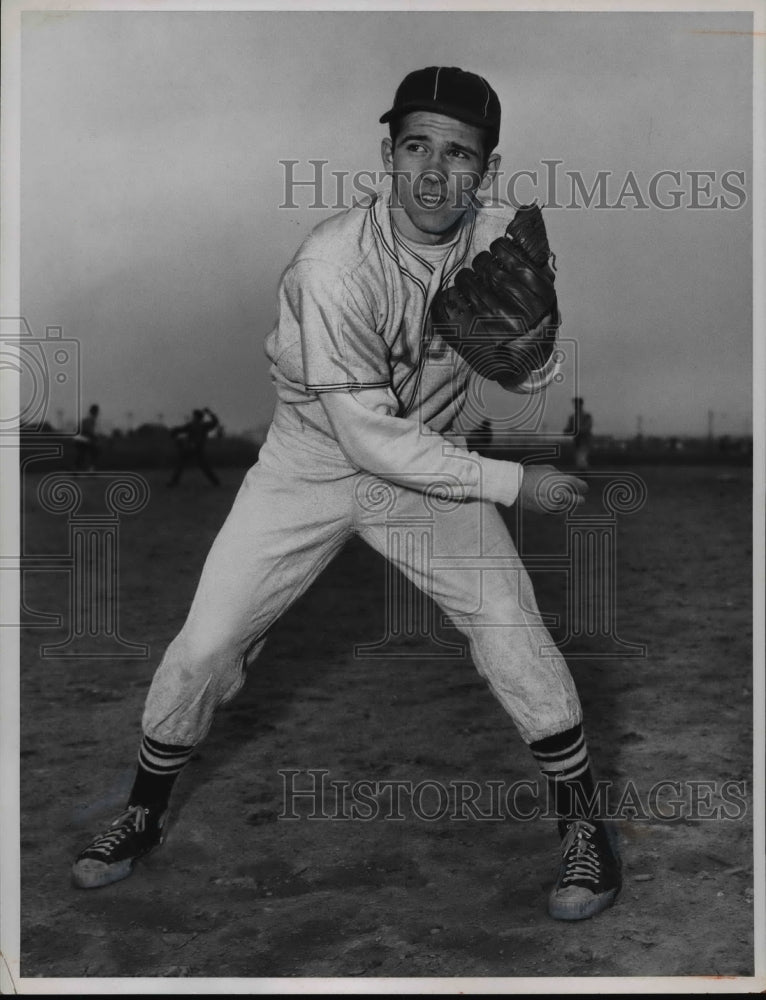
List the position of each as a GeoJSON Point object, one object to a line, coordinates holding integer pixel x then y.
{"type": "Point", "coordinates": [387, 153]}
{"type": "Point", "coordinates": [490, 172]}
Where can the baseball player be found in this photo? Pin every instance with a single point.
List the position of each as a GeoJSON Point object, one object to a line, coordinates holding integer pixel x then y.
{"type": "Point", "coordinates": [580, 425]}
{"type": "Point", "coordinates": [190, 439]}
{"type": "Point", "coordinates": [481, 436]}
{"type": "Point", "coordinates": [367, 391]}
{"type": "Point", "coordinates": [86, 441]}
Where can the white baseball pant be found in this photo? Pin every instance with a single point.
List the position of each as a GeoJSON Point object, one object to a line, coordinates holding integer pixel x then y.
{"type": "Point", "coordinates": [296, 508]}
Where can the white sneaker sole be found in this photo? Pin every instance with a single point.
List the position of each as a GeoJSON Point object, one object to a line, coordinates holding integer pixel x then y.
{"type": "Point", "coordinates": [576, 903]}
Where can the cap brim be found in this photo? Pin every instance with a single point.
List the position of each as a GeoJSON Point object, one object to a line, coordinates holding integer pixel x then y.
{"type": "Point", "coordinates": [439, 108]}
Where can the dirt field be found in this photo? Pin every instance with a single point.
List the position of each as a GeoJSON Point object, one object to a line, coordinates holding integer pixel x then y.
{"type": "Point", "coordinates": [238, 892]}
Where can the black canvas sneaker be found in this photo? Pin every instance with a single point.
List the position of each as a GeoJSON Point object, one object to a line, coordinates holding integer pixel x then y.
{"type": "Point", "coordinates": [589, 875]}
{"type": "Point", "coordinates": [110, 857]}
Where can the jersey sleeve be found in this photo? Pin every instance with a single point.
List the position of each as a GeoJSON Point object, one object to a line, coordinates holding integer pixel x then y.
{"type": "Point", "coordinates": [406, 453]}
{"type": "Point", "coordinates": [334, 323]}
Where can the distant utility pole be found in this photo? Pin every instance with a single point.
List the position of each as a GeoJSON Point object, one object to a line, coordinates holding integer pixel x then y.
{"type": "Point", "coordinates": [639, 426]}
{"type": "Point", "coordinates": [710, 417]}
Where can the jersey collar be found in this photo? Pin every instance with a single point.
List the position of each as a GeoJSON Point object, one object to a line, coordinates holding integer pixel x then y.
{"type": "Point", "coordinates": [410, 263]}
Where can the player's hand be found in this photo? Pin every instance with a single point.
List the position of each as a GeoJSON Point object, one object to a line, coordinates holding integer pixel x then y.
{"type": "Point", "coordinates": [545, 490]}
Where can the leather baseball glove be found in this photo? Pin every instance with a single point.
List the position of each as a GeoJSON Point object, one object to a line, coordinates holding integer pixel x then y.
{"type": "Point", "coordinates": [501, 314]}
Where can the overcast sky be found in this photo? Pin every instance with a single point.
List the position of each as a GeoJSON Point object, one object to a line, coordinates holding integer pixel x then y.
{"type": "Point", "coordinates": [152, 231]}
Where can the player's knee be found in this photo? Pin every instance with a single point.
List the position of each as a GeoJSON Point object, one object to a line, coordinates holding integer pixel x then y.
{"type": "Point", "coordinates": [491, 615]}
{"type": "Point", "coordinates": [205, 661]}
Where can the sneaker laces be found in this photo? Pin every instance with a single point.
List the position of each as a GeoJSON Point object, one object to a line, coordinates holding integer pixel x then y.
{"type": "Point", "coordinates": [133, 820]}
{"type": "Point", "coordinates": [581, 857]}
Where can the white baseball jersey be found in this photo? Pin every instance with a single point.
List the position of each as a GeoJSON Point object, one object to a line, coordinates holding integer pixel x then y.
{"type": "Point", "coordinates": [353, 322]}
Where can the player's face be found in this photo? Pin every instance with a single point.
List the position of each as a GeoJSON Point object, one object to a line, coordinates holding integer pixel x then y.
{"type": "Point", "coordinates": [437, 164]}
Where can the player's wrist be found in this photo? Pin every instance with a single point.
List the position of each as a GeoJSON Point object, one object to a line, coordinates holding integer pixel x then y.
{"type": "Point", "coordinates": [501, 480]}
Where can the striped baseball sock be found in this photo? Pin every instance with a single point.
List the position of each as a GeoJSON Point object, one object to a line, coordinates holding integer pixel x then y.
{"type": "Point", "coordinates": [159, 764]}
{"type": "Point", "coordinates": [564, 763]}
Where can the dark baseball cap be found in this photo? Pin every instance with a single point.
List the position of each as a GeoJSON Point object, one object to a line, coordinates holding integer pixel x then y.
{"type": "Point", "coordinates": [448, 91]}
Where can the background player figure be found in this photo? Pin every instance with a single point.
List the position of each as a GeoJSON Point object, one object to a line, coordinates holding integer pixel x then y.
{"type": "Point", "coordinates": [580, 424]}
{"type": "Point", "coordinates": [190, 439]}
{"type": "Point", "coordinates": [480, 438]}
{"type": "Point", "coordinates": [86, 442]}
{"type": "Point", "coordinates": [366, 390]}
